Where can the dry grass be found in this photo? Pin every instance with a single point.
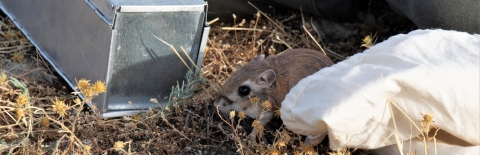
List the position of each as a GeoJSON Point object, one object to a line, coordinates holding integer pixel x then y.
{"type": "Point", "coordinates": [39, 115]}
{"type": "Point", "coordinates": [426, 125]}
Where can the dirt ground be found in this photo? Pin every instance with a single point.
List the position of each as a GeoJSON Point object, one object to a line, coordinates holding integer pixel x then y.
{"type": "Point", "coordinates": [39, 115]}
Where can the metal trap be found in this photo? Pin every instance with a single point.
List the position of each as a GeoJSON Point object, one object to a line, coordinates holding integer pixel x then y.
{"type": "Point", "coordinates": [113, 41]}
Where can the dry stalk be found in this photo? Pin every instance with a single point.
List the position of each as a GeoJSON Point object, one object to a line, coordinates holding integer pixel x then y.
{"type": "Point", "coordinates": [72, 136]}
{"type": "Point", "coordinates": [254, 32]}
{"type": "Point", "coordinates": [173, 48]}
{"type": "Point", "coordinates": [31, 71]}
{"type": "Point", "coordinates": [310, 35]}
{"type": "Point", "coordinates": [188, 57]}
{"type": "Point", "coordinates": [244, 29]}
{"type": "Point", "coordinates": [234, 25]}
{"type": "Point", "coordinates": [268, 18]}
{"type": "Point", "coordinates": [237, 137]}
{"type": "Point", "coordinates": [162, 115]}
{"type": "Point", "coordinates": [213, 21]}
{"type": "Point", "coordinates": [425, 138]}
{"type": "Point", "coordinates": [283, 42]}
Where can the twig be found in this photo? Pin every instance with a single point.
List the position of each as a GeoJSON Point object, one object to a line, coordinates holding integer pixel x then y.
{"type": "Point", "coordinates": [310, 35]}
{"type": "Point", "coordinates": [174, 50]}
{"type": "Point", "coordinates": [162, 115]}
{"type": "Point", "coordinates": [31, 71]}
{"type": "Point", "coordinates": [8, 48]}
{"type": "Point", "coordinates": [269, 19]}
{"type": "Point", "coordinates": [194, 114]}
{"type": "Point", "coordinates": [278, 38]}
{"type": "Point", "coordinates": [244, 29]}
{"type": "Point", "coordinates": [240, 143]}
{"type": "Point", "coordinates": [213, 21]}
{"type": "Point", "coordinates": [191, 61]}
{"type": "Point", "coordinates": [37, 53]}
{"type": "Point", "coordinates": [335, 54]}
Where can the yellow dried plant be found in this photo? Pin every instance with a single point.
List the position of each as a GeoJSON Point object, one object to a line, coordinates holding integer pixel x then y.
{"type": "Point", "coordinates": [59, 107]}
{"type": "Point", "coordinates": [22, 100]}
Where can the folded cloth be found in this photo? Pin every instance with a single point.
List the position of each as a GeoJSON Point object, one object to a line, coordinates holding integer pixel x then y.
{"type": "Point", "coordinates": [376, 98]}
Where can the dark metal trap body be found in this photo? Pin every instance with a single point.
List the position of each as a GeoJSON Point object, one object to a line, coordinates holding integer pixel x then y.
{"type": "Point", "coordinates": [113, 41]}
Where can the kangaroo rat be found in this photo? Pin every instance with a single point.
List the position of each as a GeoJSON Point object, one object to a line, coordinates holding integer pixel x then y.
{"type": "Point", "coordinates": [268, 79]}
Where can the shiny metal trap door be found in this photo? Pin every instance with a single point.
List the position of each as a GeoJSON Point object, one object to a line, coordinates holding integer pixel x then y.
{"type": "Point", "coordinates": [113, 41]}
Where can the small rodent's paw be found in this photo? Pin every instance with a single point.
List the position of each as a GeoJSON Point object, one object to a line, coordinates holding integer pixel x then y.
{"type": "Point", "coordinates": [313, 140]}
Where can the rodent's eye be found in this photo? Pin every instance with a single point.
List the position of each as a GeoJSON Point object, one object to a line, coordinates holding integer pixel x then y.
{"type": "Point", "coordinates": [243, 91]}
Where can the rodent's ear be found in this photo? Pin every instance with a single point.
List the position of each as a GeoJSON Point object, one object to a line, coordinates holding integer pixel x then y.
{"type": "Point", "coordinates": [258, 58]}
{"type": "Point", "coordinates": [266, 78]}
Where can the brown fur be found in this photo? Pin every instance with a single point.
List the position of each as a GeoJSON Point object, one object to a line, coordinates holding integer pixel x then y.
{"type": "Point", "coordinates": [290, 67]}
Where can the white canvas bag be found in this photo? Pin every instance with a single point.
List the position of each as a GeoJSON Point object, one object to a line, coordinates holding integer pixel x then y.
{"type": "Point", "coordinates": [424, 71]}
